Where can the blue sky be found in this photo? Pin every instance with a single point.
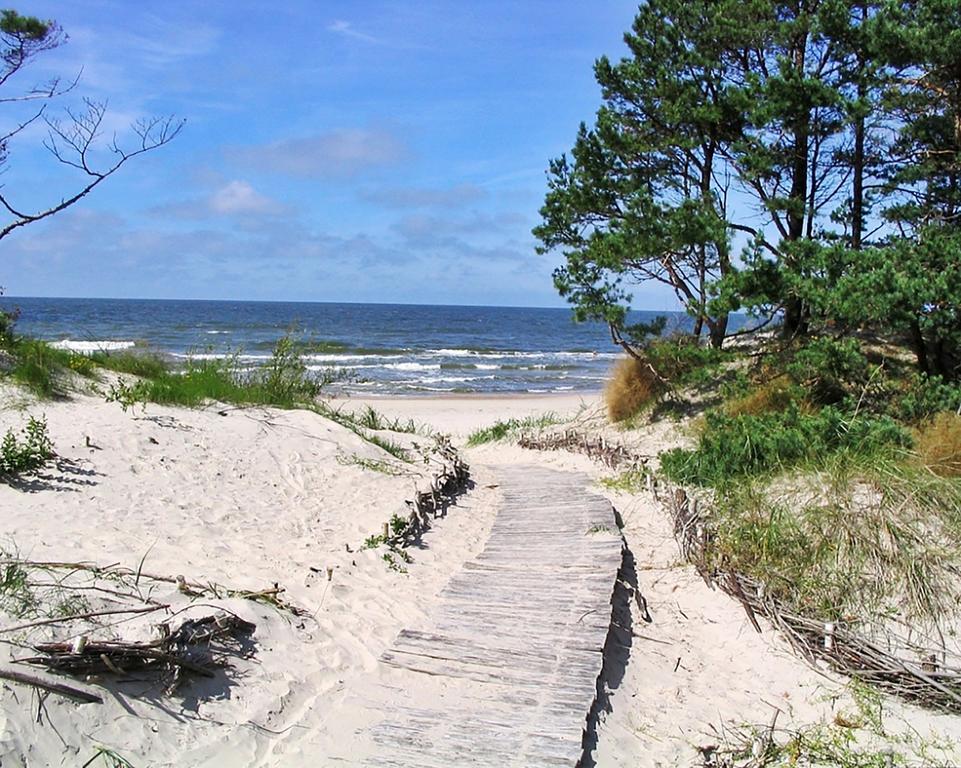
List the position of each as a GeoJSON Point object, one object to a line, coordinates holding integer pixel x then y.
{"type": "Point", "coordinates": [333, 151]}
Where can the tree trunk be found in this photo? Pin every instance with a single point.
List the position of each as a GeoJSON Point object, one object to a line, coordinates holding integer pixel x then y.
{"type": "Point", "coordinates": [719, 331]}
{"type": "Point", "coordinates": [919, 346]}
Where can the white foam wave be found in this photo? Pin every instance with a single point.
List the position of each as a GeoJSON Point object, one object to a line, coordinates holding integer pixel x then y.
{"type": "Point", "coordinates": [496, 353]}
{"type": "Point", "coordinates": [89, 347]}
{"type": "Point", "coordinates": [345, 358]}
{"type": "Point", "coordinates": [455, 379]}
{"type": "Point", "coordinates": [412, 366]}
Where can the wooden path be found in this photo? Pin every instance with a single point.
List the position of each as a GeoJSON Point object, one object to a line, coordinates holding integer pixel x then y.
{"type": "Point", "coordinates": [509, 660]}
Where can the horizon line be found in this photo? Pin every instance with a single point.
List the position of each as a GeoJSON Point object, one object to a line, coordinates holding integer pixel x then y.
{"type": "Point", "coordinates": [302, 301]}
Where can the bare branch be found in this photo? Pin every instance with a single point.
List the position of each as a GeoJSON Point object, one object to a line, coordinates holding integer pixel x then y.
{"type": "Point", "coordinates": [71, 144]}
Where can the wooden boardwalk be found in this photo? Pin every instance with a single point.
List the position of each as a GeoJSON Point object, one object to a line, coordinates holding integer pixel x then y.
{"type": "Point", "coordinates": [508, 662]}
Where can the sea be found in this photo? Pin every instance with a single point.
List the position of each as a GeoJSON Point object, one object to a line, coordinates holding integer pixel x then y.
{"type": "Point", "coordinates": [375, 349]}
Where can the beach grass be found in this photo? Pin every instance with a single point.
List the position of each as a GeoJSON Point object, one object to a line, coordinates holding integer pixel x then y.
{"type": "Point", "coordinates": [502, 430]}
{"type": "Point", "coordinates": [862, 733]}
{"type": "Point", "coordinates": [134, 363]}
{"type": "Point", "coordinates": [815, 484]}
{"type": "Point", "coordinates": [851, 538]}
{"type": "Point", "coordinates": [283, 381]}
{"type": "Point", "coordinates": [41, 368]}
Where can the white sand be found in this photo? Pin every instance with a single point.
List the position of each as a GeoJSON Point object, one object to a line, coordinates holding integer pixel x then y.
{"type": "Point", "coordinates": [261, 496]}
{"type": "Point", "coordinates": [243, 500]}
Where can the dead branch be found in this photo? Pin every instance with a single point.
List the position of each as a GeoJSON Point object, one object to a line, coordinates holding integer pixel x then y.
{"type": "Point", "coordinates": [49, 683]}
{"type": "Point", "coordinates": [78, 616]}
{"type": "Point", "coordinates": [610, 454]}
{"type": "Point", "coordinates": [189, 648]}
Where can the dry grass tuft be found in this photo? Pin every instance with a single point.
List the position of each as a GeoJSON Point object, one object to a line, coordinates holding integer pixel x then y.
{"type": "Point", "coordinates": [632, 386]}
{"type": "Point", "coordinates": [775, 395]}
{"type": "Point", "coordinates": [938, 443]}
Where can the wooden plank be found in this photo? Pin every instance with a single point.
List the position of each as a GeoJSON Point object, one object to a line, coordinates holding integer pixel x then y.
{"type": "Point", "coordinates": [514, 647]}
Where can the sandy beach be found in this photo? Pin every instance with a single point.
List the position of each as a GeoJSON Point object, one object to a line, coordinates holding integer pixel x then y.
{"type": "Point", "coordinates": [254, 497]}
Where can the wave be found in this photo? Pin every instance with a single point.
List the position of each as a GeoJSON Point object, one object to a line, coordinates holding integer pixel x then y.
{"type": "Point", "coordinates": [411, 366]}
{"type": "Point", "coordinates": [89, 347]}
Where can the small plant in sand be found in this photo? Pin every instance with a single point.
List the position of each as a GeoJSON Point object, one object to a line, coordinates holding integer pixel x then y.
{"type": "Point", "coordinates": [374, 465]}
{"type": "Point", "coordinates": [631, 481]}
{"type": "Point", "coordinates": [369, 418]}
{"type": "Point", "coordinates": [28, 451]}
{"type": "Point", "coordinates": [861, 735]}
{"type": "Point", "coordinates": [104, 757]}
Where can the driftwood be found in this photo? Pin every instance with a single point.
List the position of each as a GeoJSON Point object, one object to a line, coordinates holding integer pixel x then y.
{"type": "Point", "coordinates": [88, 615]}
{"type": "Point", "coordinates": [932, 680]}
{"type": "Point", "coordinates": [189, 648]}
{"type": "Point", "coordinates": [271, 595]}
{"type": "Point", "coordinates": [444, 487]}
{"type": "Point", "coordinates": [610, 454]}
{"type": "Point", "coordinates": [52, 684]}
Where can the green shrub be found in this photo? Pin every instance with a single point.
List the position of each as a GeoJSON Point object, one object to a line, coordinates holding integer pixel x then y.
{"type": "Point", "coordinates": [27, 452]}
{"type": "Point", "coordinates": [684, 361]}
{"type": "Point", "coordinates": [284, 379]}
{"type": "Point", "coordinates": [749, 444]}
{"type": "Point", "coordinates": [8, 318]}
{"type": "Point", "coordinates": [829, 369]}
{"type": "Point", "coordinates": [774, 395]}
{"type": "Point", "coordinates": [920, 397]}
{"type": "Point", "coordinates": [82, 364]}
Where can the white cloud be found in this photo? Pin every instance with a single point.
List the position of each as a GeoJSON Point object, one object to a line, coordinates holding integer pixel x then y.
{"type": "Point", "coordinates": [426, 197]}
{"type": "Point", "coordinates": [239, 197]}
{"type": "Point", "coordinates": [346, 29]}
{"type": "Point", "coordinates": [232, 198]}
{"type": "Point", "coordinates": [340, 153]}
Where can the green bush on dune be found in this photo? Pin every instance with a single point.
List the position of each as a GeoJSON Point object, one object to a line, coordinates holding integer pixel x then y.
{"type": "Point", "coordinates": [733, 447]}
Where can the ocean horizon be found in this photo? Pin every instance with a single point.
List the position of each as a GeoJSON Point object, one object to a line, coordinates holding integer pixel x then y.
{"type": "Point", "coordinates": [381, 349]}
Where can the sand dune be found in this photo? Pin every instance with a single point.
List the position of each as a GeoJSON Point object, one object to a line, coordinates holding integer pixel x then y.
{"type": "Point", "coordinates": [252, 497]}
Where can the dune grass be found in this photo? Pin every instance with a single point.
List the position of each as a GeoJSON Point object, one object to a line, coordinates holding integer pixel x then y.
{"type": "Point", "coordinates": [854, 536]}
{"type": "Point", "coordinates": [43, 369]}
{"type": "Point", "coordinates": [938, 442]}
{"type": "Point", "coordinates": [145, 365]}
{"type": "Point", "coordinates": [814, 487]}
{"type": "Point", "coordinates": [283, 381]}
{"type": "Point", "coordinates": [633, 385]}
{"type": "Point", "coordinates": [502, 430]}
{"type": "Point", "coordinates": [369, 418]}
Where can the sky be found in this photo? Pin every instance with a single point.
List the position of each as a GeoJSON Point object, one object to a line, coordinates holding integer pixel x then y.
{"type": "Point", "coordinates": [332, 151]}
